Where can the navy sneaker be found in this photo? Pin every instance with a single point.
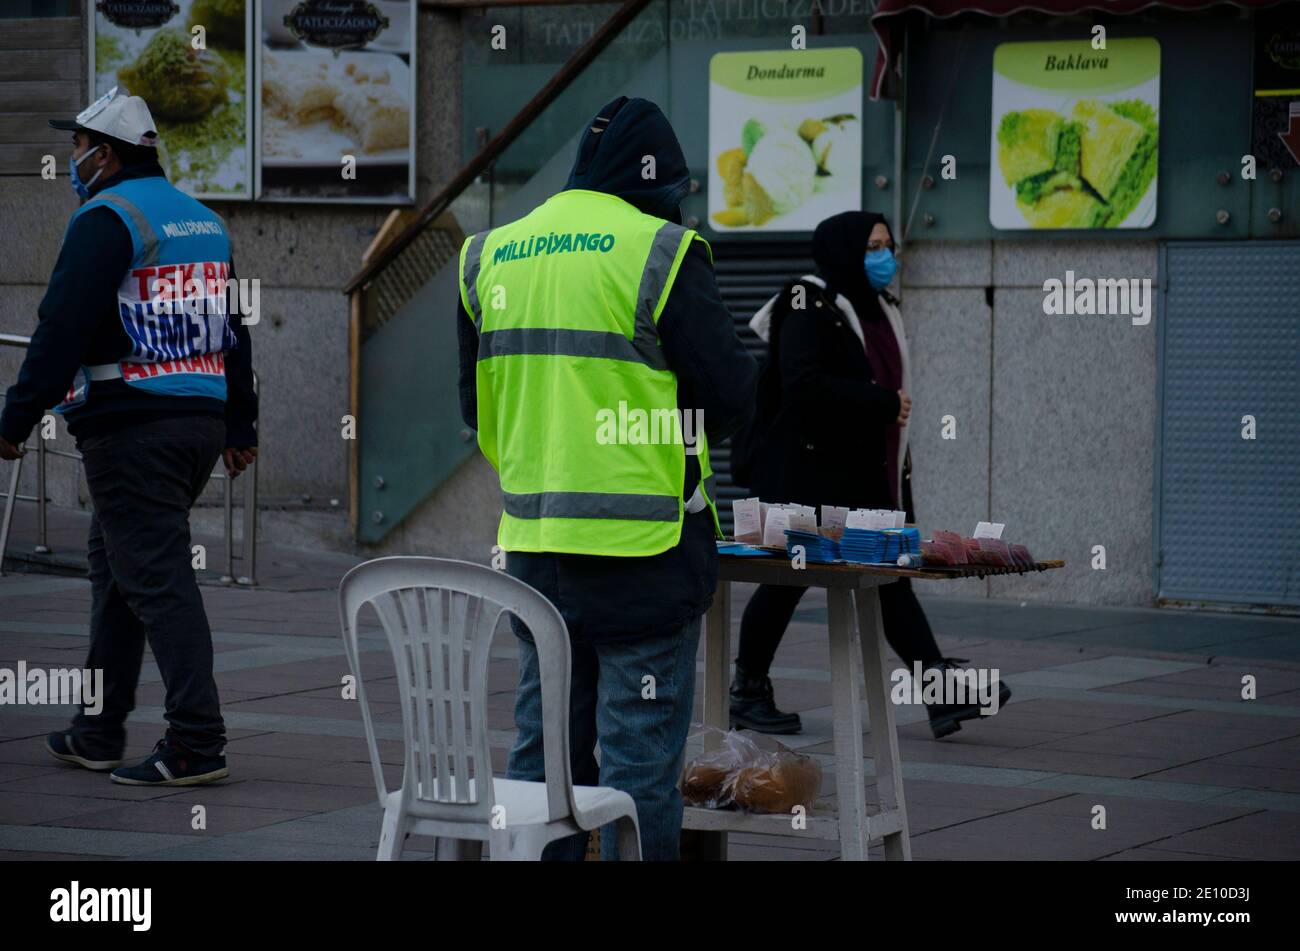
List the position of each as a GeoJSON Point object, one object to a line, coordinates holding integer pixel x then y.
{"type": "Point", "coordinates": [63, 747]}
{"type": "Point", "coordinates": [172, 765]}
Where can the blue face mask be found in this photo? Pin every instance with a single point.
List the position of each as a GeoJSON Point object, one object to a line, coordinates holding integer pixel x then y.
{"type": "Point", "coordinates": [880, 267]}
{"type": "Point", "coordinates": [78, 186]}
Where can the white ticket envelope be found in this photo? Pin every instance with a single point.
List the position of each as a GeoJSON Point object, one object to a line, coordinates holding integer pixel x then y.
{"type": "Point", "coordinates": [833, 518]}
{"type": "Point", "coordinates": [778, 520]}
{"type": "Point", "coordinates": [803, 521]}
{"type": "Point", "coordinates": [748, 521]}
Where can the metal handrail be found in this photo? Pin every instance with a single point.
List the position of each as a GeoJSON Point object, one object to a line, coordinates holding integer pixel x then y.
{"type": "Point", "coordinates": [476, 166]}
{"type": "Point", "coordinates": [12, 497]}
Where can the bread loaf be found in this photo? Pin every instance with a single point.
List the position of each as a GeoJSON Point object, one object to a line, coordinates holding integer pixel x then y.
{"type": "Point", "coordinates": [789, 780]}
{"type": "Point", "coordinates": [702, 784]}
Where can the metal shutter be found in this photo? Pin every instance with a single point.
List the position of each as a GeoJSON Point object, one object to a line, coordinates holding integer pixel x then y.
{"type": "Point", "coordinates": [748, 274]}
{"type": "Point", "coordinates": [1228, 507]}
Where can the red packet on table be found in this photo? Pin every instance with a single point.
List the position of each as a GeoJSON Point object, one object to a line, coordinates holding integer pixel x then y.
{"type": "Point", "coordinates": [982, 556]}
{"type": "Point", "coordinates": [955, 546]}
{"type": "Point", "coordinates": [972, 546]}
{"type": "Point", "coordinates": [998, 547]}
{"type": "Point", "coordinates": [938, 553]}
{"type": "Point", "coordinates": [1020, 555]}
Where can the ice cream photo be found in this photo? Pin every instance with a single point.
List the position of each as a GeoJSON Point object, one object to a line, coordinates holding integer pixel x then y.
{"type": "Point", "coordinates": [785, 138]}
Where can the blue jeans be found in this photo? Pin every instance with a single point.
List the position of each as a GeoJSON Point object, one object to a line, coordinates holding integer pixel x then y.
{"type": "Point", "coordinates": [642, 741]}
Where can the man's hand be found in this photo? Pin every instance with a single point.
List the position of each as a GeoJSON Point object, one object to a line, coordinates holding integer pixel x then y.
{"type": "Point", "coordinates": [904, 407]}
{"type": "Point", "coordinates": [237, 460]}
{"type": "Point", "coordinates": [9, 451]}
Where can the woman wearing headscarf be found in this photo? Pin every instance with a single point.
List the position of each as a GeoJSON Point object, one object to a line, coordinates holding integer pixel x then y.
{"type": "Point", "coordinates": [831, 429]}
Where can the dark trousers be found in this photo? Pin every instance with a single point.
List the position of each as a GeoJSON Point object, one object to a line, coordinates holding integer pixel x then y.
{"type": "Point", "coordinates": [769, 611]}
{"type": "Point", "coordinates": [143, 481]}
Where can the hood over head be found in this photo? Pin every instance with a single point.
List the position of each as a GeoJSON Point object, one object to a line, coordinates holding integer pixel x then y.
{"type": "Point", "coordinates": [611, 158]}
{"type": "Point", "coordinates": [839, 244]}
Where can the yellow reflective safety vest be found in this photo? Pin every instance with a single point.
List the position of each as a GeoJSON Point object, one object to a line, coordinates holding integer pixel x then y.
{"type": "Point", "coordinates": [577, 408]}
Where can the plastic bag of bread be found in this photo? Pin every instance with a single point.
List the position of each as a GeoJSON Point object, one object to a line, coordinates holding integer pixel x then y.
{"type": "Point", "coordinates": [751, 772]}
{"type": "Point", "coordinates": [785, 781]}
{"type": "Point", "coordinates": [703, 782]}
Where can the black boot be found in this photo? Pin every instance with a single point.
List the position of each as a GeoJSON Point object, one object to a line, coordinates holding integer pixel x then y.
{"type": "Point", "coordinates": [945, 718]}
{"type": "Point", "coordinates": [752, 707]}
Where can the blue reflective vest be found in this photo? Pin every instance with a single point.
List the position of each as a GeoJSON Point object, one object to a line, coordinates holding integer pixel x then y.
{"type": "Point", "coordinates": [172, 300]}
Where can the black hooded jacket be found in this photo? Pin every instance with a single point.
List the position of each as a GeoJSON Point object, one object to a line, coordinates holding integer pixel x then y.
{"type": "Point", "coordinates": [606, 598]}
{"type": "Point", "coordinates": [826, 441]}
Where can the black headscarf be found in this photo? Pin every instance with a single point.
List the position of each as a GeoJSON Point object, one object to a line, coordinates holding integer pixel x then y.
{"type": "Point", "coordinates": [839, 244]}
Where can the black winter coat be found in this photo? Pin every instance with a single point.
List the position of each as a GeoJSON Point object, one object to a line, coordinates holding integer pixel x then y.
{"type": "Point", "coordinates": [826, 444]}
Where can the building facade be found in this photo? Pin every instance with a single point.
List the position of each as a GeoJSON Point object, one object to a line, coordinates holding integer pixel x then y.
{"type": "Point", "coordinates": [1121, 443]}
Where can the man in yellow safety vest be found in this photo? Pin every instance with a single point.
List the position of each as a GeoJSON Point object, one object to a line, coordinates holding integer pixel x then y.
{"type": "Point", "coordinates": [597, 364]}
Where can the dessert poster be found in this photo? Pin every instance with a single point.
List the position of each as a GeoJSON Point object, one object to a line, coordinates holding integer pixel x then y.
{"type": "Point", "coordinates": [336, 104]}
{"type": "Point", "coordinates": [785, 138]}
{"type": "Point", "coordinates": [189, 61]}
{"type": "Point", "coordinates": [1075, 134]}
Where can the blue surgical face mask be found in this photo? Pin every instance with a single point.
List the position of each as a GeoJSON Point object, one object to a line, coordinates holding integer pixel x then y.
{"type": "Point", "coordinates": [880, 267]}
{"type": "Point", "coordinates": [78, 186]}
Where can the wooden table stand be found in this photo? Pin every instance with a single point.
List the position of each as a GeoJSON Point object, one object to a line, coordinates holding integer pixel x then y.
{"type": "Point", "coordinates": [849, 655]}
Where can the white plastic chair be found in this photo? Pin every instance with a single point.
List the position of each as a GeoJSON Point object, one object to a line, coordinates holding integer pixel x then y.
{"type": "Point", "coordinates": [440, 616]}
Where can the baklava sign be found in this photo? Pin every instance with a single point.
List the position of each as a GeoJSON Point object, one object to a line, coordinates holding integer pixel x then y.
{"type": "Point", "coordinates": [1075, 135]}
{"type": "Point", "coordinates": [336, 115]}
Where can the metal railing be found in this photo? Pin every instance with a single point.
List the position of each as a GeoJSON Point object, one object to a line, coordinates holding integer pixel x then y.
{"type": "Point", "coordinates": [512, 130]}
{"type": "Point", "coordinates": [42, 537]}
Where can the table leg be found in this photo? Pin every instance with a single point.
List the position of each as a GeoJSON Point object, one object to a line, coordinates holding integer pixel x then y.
{"type": "Point", "coordinates": [846, 721]}
{"type": "Point", "coordinates": [712, 846]}
{"type": "Point", "coordinates": [717, 663]}
{"type": "Point", "coordinates": [884, 731]}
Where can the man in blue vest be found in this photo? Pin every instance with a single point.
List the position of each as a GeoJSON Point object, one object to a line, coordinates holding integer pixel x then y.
{"type": "Point", "coordinates": [140, 350]}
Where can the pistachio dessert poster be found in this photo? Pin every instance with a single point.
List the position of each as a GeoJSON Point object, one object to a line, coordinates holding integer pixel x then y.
{"type": "Point", "coordinates": [189, 61]}
{"type": "Point", "coordinates": [1075, 134]}
{"type": "Point", "coordinates": [785, 138]}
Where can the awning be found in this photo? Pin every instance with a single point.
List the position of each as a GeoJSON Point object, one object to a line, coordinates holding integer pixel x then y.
{"type": "Point", "coordinates": [887, 21]}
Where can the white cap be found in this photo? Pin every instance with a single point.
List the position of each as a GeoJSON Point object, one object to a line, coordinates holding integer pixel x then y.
{"type": "Point", "coordinates": [120, 116]}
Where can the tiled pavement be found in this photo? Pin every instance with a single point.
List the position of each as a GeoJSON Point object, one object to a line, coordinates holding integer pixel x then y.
{"type": "Point", "coordinates": [1137, 711]}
